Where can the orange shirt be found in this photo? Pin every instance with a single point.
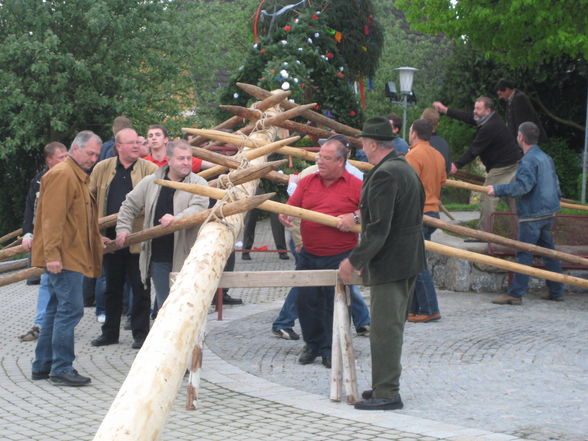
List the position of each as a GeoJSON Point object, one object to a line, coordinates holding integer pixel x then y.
{"type": "Point", "coordinates": [430, 166]}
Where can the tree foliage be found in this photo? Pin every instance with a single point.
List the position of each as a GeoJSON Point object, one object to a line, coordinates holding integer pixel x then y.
{"type": "Point", "coordinates": [518, 32]}
{"type": "Point", "coordinates": [66, 67]}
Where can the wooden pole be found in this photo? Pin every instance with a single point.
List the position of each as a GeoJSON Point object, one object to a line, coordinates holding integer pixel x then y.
{"type": "Point", "coordinates": [146, 397]}
{"type": "Point", "coordinates": [344, 342]}
{"type": "Point", "coordinates": [10, 235]}
{"type": "Point", "coordinates": [495, 238]}
{"type": "Point", "coordinates": [7, 253]}
{"type": "Point", "coordinates": [14, 265]}
{"type": "Point", "coordinates": [332, 221]}
{"type": "Point", "coordinates": [482, 189]}
{"type": "Point", "coordinates": [343, 129]}
{"type": "Point", "coordinates": [230, 209]}
{"type": "Point", "coordinates": [240, 176]}
{"type": "Point", "coordinates": [271, 101]}
{"type": "Point", "coordinates": [250, 155]}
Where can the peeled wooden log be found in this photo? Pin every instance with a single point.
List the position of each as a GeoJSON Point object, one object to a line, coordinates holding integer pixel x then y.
{"type": "Point", "coordinates": [7, 253]}
{"type": "Point", "coordinates": [14, 265]}
{"type": "Point", "coordinates": [250, 155]}
{"type": "Point", "coordinates": [228, 162]}
{"type": "Point", "coordinates": [256, 115]}
{"type": "Point", "coordinates": [482, 189]}
{"type": "Point", "coordinates": [10, 235]}
{"type": "Point", "coordinates": [495, 238]}
{"type": "Point", "coordinates": [147, 395]}
{"type": "Point", "coordinates": [16, 243]}
{"type": "Point", "coordinates": [21, 275]}
{"type": "Point", "coordinates": [331, 221]}
{"type": "Point", "coordinates": [469, 177]}
{"type": "Point", "coordinates": [343, 129]}
{"type": "Point", "coordinates": [311, 156]}
{"type": "Point", "coordinates": [238, 177]}
{"type": "Point", "coordinates": [234, 121]}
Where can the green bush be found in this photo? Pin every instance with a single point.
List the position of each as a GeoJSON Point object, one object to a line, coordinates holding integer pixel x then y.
{"type": "Point", "coordinates": [567, 165]}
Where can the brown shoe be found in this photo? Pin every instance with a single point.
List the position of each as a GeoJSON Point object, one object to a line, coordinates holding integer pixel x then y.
{"type": "Point", "coordinates": [507, 300]}
{"type": "Point", "coordinates": [416, 318]}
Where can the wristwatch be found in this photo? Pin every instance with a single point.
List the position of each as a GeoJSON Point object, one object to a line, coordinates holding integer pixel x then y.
{"type": "Point", "coordinates": [356, 218]}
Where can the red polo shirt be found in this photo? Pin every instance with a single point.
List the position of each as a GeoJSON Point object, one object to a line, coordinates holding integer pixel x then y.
{"type": "Point", "coordinates": [341, 197]}
{"type": "Point", "coordinates": [196, 163]}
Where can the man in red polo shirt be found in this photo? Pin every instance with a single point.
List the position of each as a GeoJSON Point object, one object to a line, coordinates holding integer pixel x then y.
{"type": "Point", "coordinates": [158, 140]}
{"type": "Point", "coordinates": [336, 192]}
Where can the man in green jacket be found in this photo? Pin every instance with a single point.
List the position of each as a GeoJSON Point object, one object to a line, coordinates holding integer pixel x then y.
{"type": "Point", "coordinates": [391, 208]}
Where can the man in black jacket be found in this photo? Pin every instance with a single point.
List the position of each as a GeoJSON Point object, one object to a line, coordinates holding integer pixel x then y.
{"type": "Point", "coordinates": [494, 144]}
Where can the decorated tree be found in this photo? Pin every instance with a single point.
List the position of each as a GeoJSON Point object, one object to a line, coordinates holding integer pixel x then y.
{"type": "Point", "coordinates": [318, 50]}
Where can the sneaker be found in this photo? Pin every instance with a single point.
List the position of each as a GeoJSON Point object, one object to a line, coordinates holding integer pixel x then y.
{"type": "Point", "coordinates": [101, 318]}
{"type": "Point", "coordinates": [31, 335]}
{"type": "Point", "coordinates": [507, 300]}
{"type": "Point", "coordinates": [127, 326]}
{"type": "Point", "coordinates": [363, 330]}
{"type": "Point", "coordinates": [71, 378]}
{"type": "Point", "coordinates": [286, 334]}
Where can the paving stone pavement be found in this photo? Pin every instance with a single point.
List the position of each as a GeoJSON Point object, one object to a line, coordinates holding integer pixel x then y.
{"type": "Point", "coordinates": [483, 372]}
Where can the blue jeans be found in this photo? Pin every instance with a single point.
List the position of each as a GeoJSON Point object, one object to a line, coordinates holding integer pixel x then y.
{"type": "Point", "coordinates": [55, 348]}
{"type": "Point", "coordinates": [99, 289]}
{"type": "Point", "coordinates": [424, 300]}
{"type": "Point", "coordinates": [160, 275]}
{"type": "Point", "coordinates": [42, 300]}
{"type": "Point", "coordinates": [315, 303]}
{"type": "Point", "coordinates": [537, 233]}
{"type": "Point", "coordinates": [288, 314]}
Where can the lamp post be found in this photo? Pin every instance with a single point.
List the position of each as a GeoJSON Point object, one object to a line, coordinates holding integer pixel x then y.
{"type": "Point", "coordinates": [406, 75]}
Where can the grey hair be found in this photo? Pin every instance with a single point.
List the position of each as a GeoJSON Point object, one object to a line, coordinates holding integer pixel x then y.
{"type": "Point", "coordinates": [82, 139]}
{"type": "Point", "coordinates": [341, 150]}
{"type": "Point", "coordinates": [384, 144]}
{"type": "Point", "coordinates": [179, 144]}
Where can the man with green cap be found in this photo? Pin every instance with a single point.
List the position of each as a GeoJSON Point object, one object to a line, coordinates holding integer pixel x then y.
{"type": "Point", "coordinates": [391, 209]}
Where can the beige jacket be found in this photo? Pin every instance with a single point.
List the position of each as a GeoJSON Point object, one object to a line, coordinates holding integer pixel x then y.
{"type": "Point", "coordinates": [144, 197]}
{"type": "Point", "coordinates": [100, 180]}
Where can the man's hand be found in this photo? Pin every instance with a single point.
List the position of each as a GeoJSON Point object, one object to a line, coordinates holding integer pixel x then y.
{"type": "Point", "coordinates": [490, 190]}
{"type": "Point", "coordinates": [440, 107]}
{"type": "Point", "coordinates": [293, 179]}
{"type": "Point", "coordinates": [346, 271]}
{"type": "Point", "coordinates": [453, 169]}
{"type": "Point", "coordinates": [166, 219]}
{"type": "Point", "coordinates": [27, 244]}
{"type": "Point", "coordinates": [286, 220]}
{"type": "Point", "coordinates": [121, 239]}
{"type": "Point", "coordinates": [345, 222]}
{"type": "Point", "coordinates": [54, 267]}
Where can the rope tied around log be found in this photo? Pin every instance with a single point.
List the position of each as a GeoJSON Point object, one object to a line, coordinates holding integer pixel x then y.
{"type": "Point", "coordinates": [233, 193]}
{"type": "Point", "coordinates": [260, 123]}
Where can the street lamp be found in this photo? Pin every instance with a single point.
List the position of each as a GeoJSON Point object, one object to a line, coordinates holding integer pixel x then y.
{"type": "Point", "coordinates": [407, 96]}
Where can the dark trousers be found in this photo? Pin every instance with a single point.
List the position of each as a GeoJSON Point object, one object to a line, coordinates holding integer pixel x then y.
{"type": "Point", "coordinates": [121, 267]}
{"type": "Point", "coordinates": [315, 303]}
{"type": "Point", "coordinates": [249, 229]}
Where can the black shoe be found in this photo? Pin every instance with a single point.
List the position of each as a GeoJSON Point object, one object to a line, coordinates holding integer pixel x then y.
{"type": "Point", "coordinates": [284, 256]}
{"type": "Point", "coordinates": [245, 256]}
{"type": "Point", "coordinates": [138, 343]}
{"type": "Point", "coordinates": [367, 394]}
{"type": "Point", "coordinates": [43, 375]}
{"type": "Point", "coordinates": [34, 281]}
{"type": "Point", "coordinates": [286, 334]}
{"type": "Point", "coordinates": [380, 403]}
{"type": "Point", "coordinates": [228, 300]}
{"type": "Point", "coordinates": [307, 356]}
{"type": "Point", "coordinates": [327, 361]}
{"type": "Point", "coordinates": [104, 341]}
{"type": "Point", "coordinates": [551, 297]}
{"type": "Point", "coordinates": [70, 379]}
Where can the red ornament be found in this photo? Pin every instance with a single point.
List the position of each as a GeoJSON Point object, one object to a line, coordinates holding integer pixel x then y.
{"type": "Point", "coordinates": [352, 113]}
{"type": "Point", "coordinates": [302, 85]}
{"type": "Point", "coordinates": [315, 17]}
{"type": "Point", "coordinates": [272, 70]}
{"type": "Point", "coordinates": [262, 51]}
{"type": "Point", "coordinates": [287, 28]}
{"type": "Point", "coordinates": [329, 56]}
{"type": "Point", "coordinates": [316, 107]}
{"type": "Point", "coordinates": [340, 75]}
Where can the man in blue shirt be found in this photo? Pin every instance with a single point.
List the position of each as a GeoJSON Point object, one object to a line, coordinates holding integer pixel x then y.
{"type": "Point", "coordinates": [536, 189]}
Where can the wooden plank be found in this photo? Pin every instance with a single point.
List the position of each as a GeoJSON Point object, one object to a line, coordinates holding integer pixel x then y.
{"type": "Point", "coordinates": [271, 279]}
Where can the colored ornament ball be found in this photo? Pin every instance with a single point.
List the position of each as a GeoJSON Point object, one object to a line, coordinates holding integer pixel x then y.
{"type": "Point", "coordinates": [287, 28]}
{"type": "Point", "coordinates": [285, 85]}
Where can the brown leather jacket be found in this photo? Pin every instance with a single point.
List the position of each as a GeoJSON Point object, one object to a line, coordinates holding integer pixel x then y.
{"type": "Point", "coordinates": [66, 229]}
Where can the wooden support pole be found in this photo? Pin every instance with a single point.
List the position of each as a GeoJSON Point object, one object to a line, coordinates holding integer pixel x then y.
{"type": "Point", "coordinates": [10, 235]}
{"type": "Point", "coordinates": [14, 265]}
{"type": "Point", "coordinates": [341, 310]}
{"type": "Point", "coordinates": [250, 155]}
{"type": "Point", "coordinates": [482, 189]}
{"type": "Point", "coordinates": [243, 175]}
{"type": "Point", "coordinates": [194, 375]}
{"type": "Point", "coordinates": [271, 101]}
{"type": "Point", "coordinates": [256, 115]}
{"type": "Point", "coordinates": [495, 238]}
{"type": "Point", "coordinates": [343, 129]}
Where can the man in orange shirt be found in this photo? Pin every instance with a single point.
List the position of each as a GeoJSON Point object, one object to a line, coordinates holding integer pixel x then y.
{"type": "Point", "coordinates": [430, 166]}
